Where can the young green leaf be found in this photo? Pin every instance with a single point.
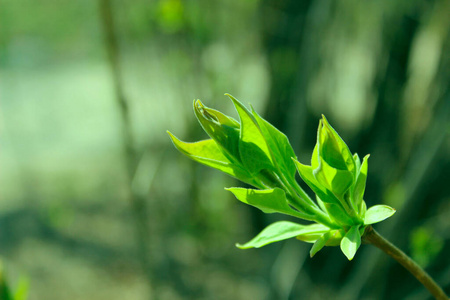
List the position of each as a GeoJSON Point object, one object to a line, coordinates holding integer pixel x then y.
{"type": "Point", "coordinates": [208, 153]}
{"type": "Point", "coordinates": [357, 161]}
{"type": "Point", "coordinates": [333, 149]}
{"type": "Point", "coordinates": [315, 157]}
{"type": "Point", "coordinates": [335, 180]}
{"type": "Point", "coordinates": [360, 184]}
{"type": "Point", "coordinates": [378, 213]}
{"type": "Point", "coordinates": [320, 243]}
{"type": "Point", "coordinates": [221, 128]}
{"type": "Point", "coordinates": [279, 231]}
{"type": "Point", "coordinates": [336, 237]}
{"type": "Point", "coordinates": [338, 214]}
{"type": "Point", "coordinates": [278, 144]}
{"type": "Point", "coordinates": [269, 201]}
{"type": "Point", "coordinates": [253, 148]}
{"type": "Point", "coordinates": [306, 173]}
{"type": "Point", "coordinates": [351, 242]}
{"type": "Point", "coordinates": [313, 233]}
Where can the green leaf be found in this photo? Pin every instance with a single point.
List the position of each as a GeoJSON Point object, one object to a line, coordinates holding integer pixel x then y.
{"type": "Point", "coordinates": [269, 201]}
{"type": "Point", "coordinates": [320, 243]}
{"type": "Point", "coordinates": [279, 145]}
{"type": "Point", "coordinates": [221, 128]}
{"type": "Point", "coordinates": [378, 213]}
{"type": "Point", "coordinates": [360, 184]}
{"type": "Point", "coordinates": [333, 149]}
{"type": "Point", "coordinates": [357, 161]}
{"type": "Point", "coordinates": [279, 231]}
{"type": "Point", "coordinates": [208, 153]}
{"type": "Point", "coordinates": [336, 237]}
{"type": "Point", "coordinates": [335, 180]}
{"type": "Point", "coordinates": [253, 148]}
{"type": "Point", "coordinates": [306, 173]}
{"type": "Point", "coordinates": [363, 209]}
{"type": "Point", "coordinates": [351, 242]}
{"type": "Point", "coordinates": [315, 232]}
{"type": "Point", "coordinates": [338, 214]}
{"type": "Point", "coordinates": [315, 157]}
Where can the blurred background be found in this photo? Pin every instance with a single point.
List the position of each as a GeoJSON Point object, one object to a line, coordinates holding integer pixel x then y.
{"type": "Point", "coordinates": [96, 203]}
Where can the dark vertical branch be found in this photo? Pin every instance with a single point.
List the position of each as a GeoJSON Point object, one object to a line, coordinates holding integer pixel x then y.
{"type": "Point", "coordinates": [137, 202]}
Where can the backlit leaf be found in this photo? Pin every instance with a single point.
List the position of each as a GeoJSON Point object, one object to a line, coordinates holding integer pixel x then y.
{"type": "Point", "coordinates": [253, 148]}
{"type": "Point", "coordinates": [351, 242]}
{"type": "Point", "coordinates": [279, 231]}
{"type": "Point", "coordinates": [335, 180]}
{"type": "Point", "coordinates": [378, 213]}
{"type": "Point", "coordinates": [269, 201]}
{"type": "Point", "coordinates": [333, 149]}
{"type": "Point", "coordinates": [306, 173]}
{"type": "Point", "coordinates": [208, 153]}
{"type": "Point", "coordinates": [338, 214]}
{"type": "Point", "coordinates": [221, 128]}
{"type": "Point", "coordinates": [320, 243]}
{"type": "Point", "coordinates": [278, 144]}
{"type": "Point", "coordinates": [360, 184]}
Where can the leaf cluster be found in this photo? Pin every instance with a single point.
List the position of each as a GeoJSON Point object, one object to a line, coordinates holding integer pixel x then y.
{"type": "Point", "coordinates": [255, 152]}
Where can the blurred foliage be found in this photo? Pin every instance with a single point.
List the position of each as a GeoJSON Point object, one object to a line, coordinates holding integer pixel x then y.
{"type": "Point", "coordinates": [65, 222]}
{"type": "Point", "coordinates": [425, 245]}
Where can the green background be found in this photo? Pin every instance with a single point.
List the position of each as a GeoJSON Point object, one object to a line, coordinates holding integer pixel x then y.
{"type": "Point", "coordinates": [95, 206]}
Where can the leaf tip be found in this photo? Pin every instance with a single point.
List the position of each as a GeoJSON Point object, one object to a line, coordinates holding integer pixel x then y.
{"type": "Point", "coordinates": [172, 136]}
{"type": "Point", "coordinates": [240, 246]}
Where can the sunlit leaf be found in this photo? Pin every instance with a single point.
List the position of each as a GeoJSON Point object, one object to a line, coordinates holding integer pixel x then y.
{"type": "Point", "coordinates": [208, 153]}
{"type": "Point", "coordinates": [333, 149]}
{"type": "Point", "coordinates": [335, 180]}
{"type": "Point", "coordinates": [269, 201]}
{"type": "Point", "coordinates": [221, 128]}
{"type": "Point", "coordinates": [278, 144]}
{"type": "Point", "coordinates": [281, 231]}
{"type": "Point", "coordinates": [306, 173]}
{"type": "Point", "coordinates": [253, 148]}
{"type": "Point", "coordinates": [336, 237]}
{"type": "Point", "coordinates": [360, 184]}
{"type": "Point", "coordinates": [351, 242]}
{"type": "Point", "coordinates": [338, 214]}
{"type": "Point", "coordinates": [357, 161]}
{"type": "Point", "coordinates": [320, 243]}
{"type": "Point", "coordinates": [315, 157]}
{"type": "Point", "coordinates": [315, 231]}
{"type": "Point", "coordinates": [378, 213]}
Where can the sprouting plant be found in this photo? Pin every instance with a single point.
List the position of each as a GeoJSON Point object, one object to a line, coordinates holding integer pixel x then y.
{"type": "Point", "coordinates": [255, 152]}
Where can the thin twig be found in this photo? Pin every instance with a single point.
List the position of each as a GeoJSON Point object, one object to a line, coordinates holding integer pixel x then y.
{"type": "Point", "coordinates": [374, 238]}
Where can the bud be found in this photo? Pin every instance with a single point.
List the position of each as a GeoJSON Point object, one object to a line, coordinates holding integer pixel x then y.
{"type": "Point", "coordinates": [224, 130]}
{"type": "Point", "coordinates": [333, 149]}
{"type": "Point", "coordinates": [336, 168]}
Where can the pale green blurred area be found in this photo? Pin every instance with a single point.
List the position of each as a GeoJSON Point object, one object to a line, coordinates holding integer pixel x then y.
{"type": "Point", "coordinates": [379, 71]}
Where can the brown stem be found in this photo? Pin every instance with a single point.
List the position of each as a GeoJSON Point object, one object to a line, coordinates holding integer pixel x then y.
{"type": "Point", "coordinates": [374, 238]}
